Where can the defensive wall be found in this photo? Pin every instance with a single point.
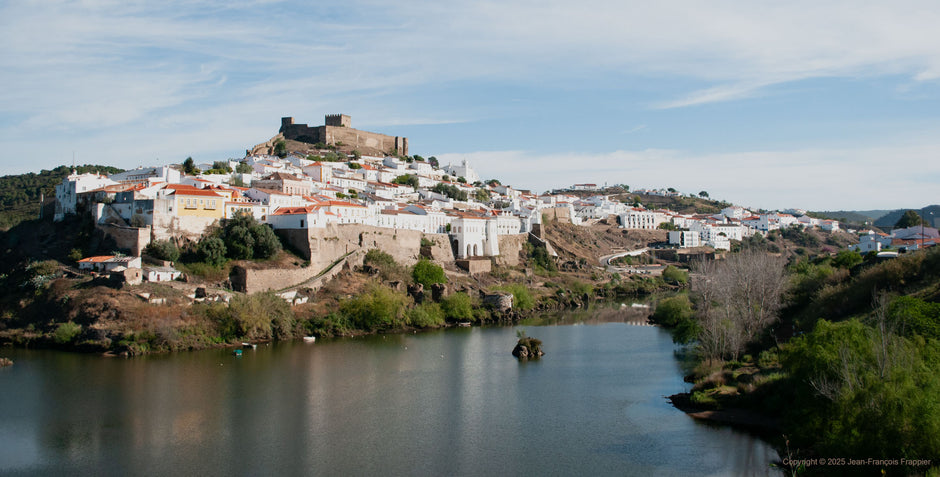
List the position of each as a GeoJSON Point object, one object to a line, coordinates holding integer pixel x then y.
{"type": "Point", "coordinates": [337, 130]}
{"type": "Point", "coordinates": [132, 239]}
{"type": "Point", "coordinates": [248, 280]}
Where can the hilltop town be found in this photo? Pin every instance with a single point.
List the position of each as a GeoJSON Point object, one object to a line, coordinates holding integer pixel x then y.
{"type": "Point", "coordinates": [353, 211]}
{"type": "Point", "coordinates": [326, 186]}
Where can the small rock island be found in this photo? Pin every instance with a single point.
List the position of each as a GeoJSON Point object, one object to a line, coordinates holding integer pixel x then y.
{"type": "Point", "coordinates": [527, 347]}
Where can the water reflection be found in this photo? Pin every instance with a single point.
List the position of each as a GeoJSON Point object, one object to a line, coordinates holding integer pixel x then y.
{"type": "Point", "coordinates": [450, 402]}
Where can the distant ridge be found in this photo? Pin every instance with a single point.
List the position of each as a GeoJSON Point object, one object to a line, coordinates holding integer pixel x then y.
{"type": "Point", "coordinates": [892, 217]}
{"type": "Point", "coordinates": [852, 216]}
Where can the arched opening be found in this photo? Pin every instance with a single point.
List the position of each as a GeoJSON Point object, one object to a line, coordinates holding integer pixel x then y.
{"type": "Point", "coordinates": [468, 251]}
{"type": "Point", "coordinates": [476, 251]}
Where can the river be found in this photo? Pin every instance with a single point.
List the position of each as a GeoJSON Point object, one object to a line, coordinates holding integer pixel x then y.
{"type": "Point", "coordinates": [449, 402]}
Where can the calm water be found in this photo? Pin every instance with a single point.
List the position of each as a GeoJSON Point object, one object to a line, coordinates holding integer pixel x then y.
{"type": "Point", "coordinates": [453, 402]}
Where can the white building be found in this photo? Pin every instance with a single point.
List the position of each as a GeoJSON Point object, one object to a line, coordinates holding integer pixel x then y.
{"type": "Point", "coordinates": [685, 238]}
{"type": "Point", "coordinates": [475, 235]}
{"type": "Point", "coordinates": [307, 217]}
{"type": "Point", "coordinates": [642, 219]}
{"type": "Point", "coordinates": [66, 193]}
{"type": "Point", "coordinates": [147, 175]}
{"type": "Point", "coordinates": [463, 170]}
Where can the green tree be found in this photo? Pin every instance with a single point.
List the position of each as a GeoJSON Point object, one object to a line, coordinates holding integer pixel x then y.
{"type": "Point", "coordinates": [433, 162]}
{"type": "Point", "coordinates": [267, 245]}
{"type": "Point", "coordinates": [407, 179]}
{"type": "Point", "coordinates": [847, 259]}
{"type": "Point", "coordinates": [189, 167]}
{"type": "Point", "coordinates": [212, 250]}
{"type": "Point", "coordinates": [163, 250]}
{"type": "Point", "coordinates": [449, 190]}
{"type": "Point", "coordinates": [280, 148]}
{"type": "Point", "coordinates": [220, 167]}
{"type": "Point", "coordinates": [461, 180]}
{"type": "Point", "coordinates": [428, 273]}
{"type": "Point", "coordinates": [910, 219]}
{"type": "Point", "coordinates": [675, 276]}
{"type": "Point", "coordinates": [239, 243]}
{"type": "Point", "coordinates": [243, 168]}
{"type": "Point", "coordinates": [481, 195]}
{"type": "Point", "coordinates": [671, 189]}
{"type": "Point", "coordinates": [703, 194]}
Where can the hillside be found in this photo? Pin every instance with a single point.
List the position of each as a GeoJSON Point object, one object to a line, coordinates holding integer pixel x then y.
{"type": "Point", "coordinates": [20, 194]}
{"type": "Point", "coordinates": [859, 217]}
{"type": "Point", "coordinates": [891, 218]}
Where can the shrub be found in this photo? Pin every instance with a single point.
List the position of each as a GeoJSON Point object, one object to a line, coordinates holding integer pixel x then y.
{"type": "Point", "coordinates": [670, 311]}
{"type": "Point", "coordinates": [521, 297]}
{"type": "Point", "coordinates": [163, 250]}
{"type": "Point", "coordinates": [212, 250]}
{"type": "Point", "coordinates": [428, 273]}
{"type": "Point", "coordinates": [66, 332]}
{"type": "Point", "coordinates": [377, 308]}
{"type": "Point", "coordinates": [262, 316]}
{"type": "Point", "coordinates": [386, 265]}
{"type": "Point", "coordinates": [426, 315]}
{"type": "Point", "coordinates": [675, 276]}
{"type": "Point", "coordinates": [457, 307]}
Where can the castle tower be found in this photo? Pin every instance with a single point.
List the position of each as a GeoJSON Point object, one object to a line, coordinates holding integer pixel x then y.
{"type": "Point", "coordinates": [340, 120]}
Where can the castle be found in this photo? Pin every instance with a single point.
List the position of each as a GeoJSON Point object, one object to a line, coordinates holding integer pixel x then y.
{"type": "Point", "coordinates": [337, 130]}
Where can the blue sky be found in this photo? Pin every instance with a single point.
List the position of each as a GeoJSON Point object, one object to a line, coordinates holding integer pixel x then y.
{"type": "Point", "coordinates": [818, 105]}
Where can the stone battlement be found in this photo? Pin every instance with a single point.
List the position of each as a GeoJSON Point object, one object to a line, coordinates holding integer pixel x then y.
{"type": "Point", "coordinates": [337, 130]}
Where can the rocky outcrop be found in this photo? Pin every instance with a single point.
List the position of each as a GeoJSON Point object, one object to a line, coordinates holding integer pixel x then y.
{"type": "Point", "coordinates": [416, 292]}
{"type": "Point", "coordinates": [528, 348]}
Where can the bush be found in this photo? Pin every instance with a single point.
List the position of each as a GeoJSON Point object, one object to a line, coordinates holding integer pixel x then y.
{"type": "Point", "coordinates": [378, 308]}
{"type": "Point", "coordinates": [457, 307]}
{"type": "Point", "coordinates": [66, 333]}
{"type": "Point", "coordinates": [847, 259]}
{"type": "Point", "coordinates": [428, 273]}
{"type": "Point", "coordinates": [676, 312]}
{"type": "Point", "coordinates": [212, 250]}
{"type": "Point", "coordinates": [163, 250]}
{"type": "Point", "coordinates": [262, 316]}
{"type": "Point", "coordinates": [675, 276]}
{"type": "Point", "coordinates": [426, 315]}
{"type": "Point", "coordinates": [388, 268]}
{"type": "Point", "coordinates": [521, 297]}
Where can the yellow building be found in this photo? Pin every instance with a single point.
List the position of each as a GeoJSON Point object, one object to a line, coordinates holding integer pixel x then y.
{"type": "Point", "coordinates": [193, 202]}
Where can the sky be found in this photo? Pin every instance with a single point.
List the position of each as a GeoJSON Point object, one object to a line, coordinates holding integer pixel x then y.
{"type": "Point", "coordinates": [821, 105]}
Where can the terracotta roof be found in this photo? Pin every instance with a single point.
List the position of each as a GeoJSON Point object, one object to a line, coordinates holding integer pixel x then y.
{"type": "Point", "coordinates": [198, 192]}
{"type": "Point", "coordinates": [295, 210]}
{"type": "Point", "coordinates": [97, 259]}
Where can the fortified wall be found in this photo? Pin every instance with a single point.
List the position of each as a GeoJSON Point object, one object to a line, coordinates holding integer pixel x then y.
{"type": "Point", "coordinates": [337, 129]}
{"type": "Point", "coordinates": [324, 246]}
{"type": "Point", "coordinates": [349, 243]}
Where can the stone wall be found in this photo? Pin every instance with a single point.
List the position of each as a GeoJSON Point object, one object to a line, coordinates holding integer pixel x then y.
{"type": "Point", "coordinates": [258, 280]}
{"type": "Point", "coordinates": [132, 239]}
{"type": "Point", "coordinates": [562, 214]}
{"type": "Point", "coordinates": [362, 139]}
{"type": "Point", "coordinates": [324, 246]}
{"type": "Point", "coordinates": [475, 265]}
{"type": "Point", "coordinates": [510, 246]}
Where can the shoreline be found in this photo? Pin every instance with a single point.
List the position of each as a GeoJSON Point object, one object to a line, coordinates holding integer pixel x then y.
{"type": "Point", "coordinates": [735, 417]}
